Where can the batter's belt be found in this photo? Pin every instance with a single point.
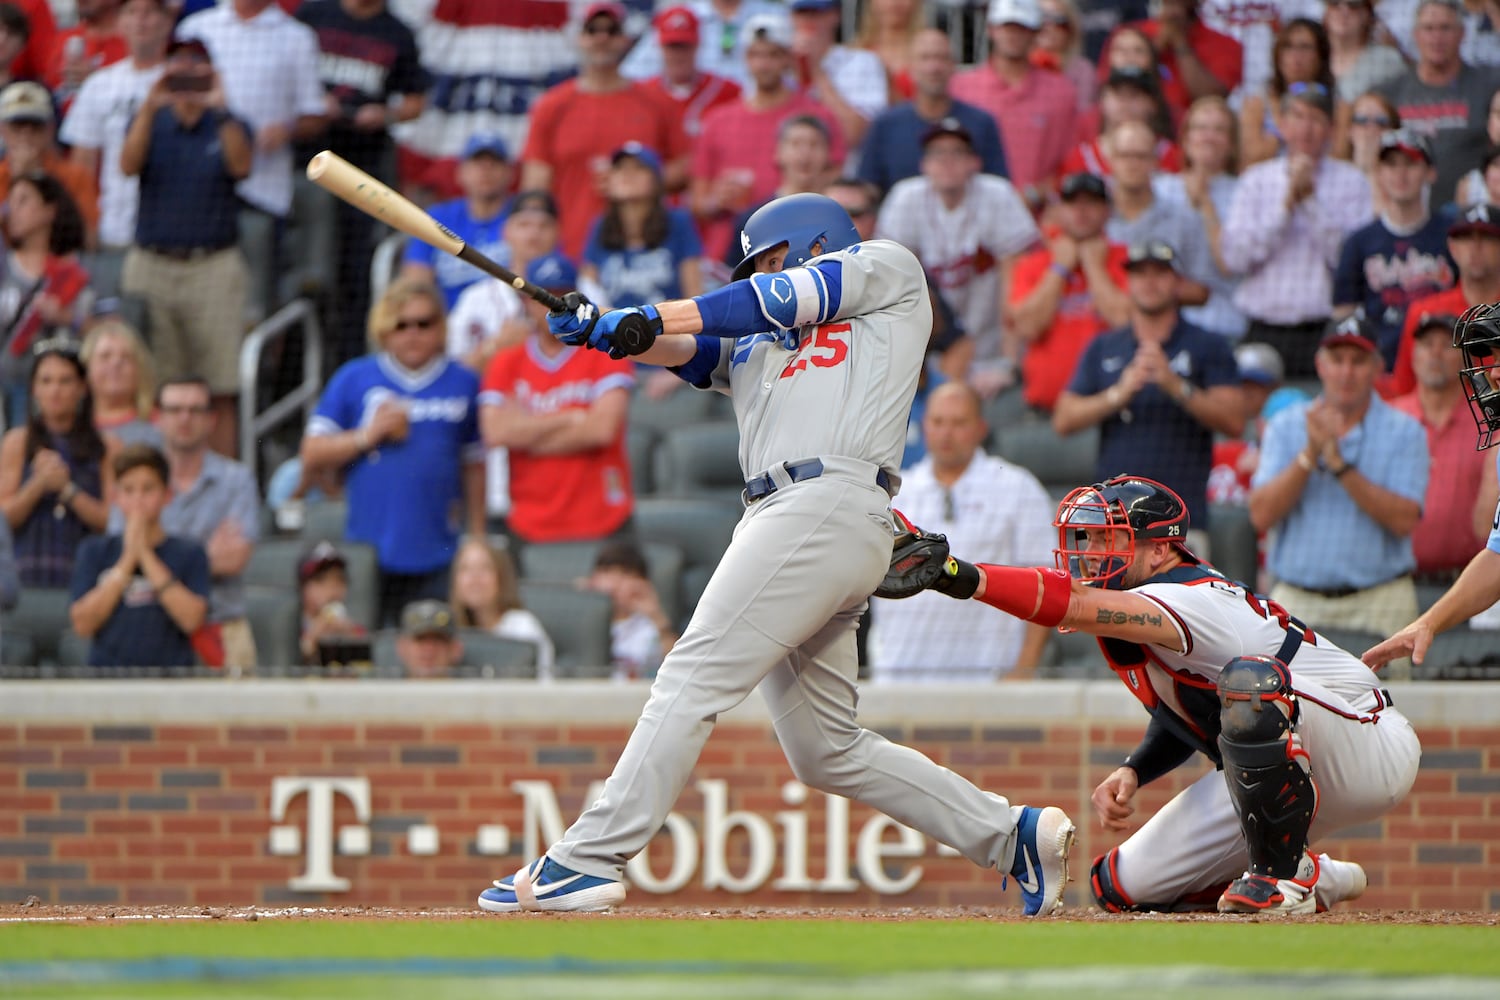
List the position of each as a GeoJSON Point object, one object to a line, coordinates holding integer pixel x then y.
{"type": "Point", "coordinates": [783, 475]}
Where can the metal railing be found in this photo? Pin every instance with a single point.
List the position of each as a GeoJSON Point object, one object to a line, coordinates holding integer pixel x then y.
{"type": "Point", "coordinates": [304, 396]}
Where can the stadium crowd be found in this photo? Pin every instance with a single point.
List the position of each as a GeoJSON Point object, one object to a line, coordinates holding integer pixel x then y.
{"type": "Point", "coordinates": [1221, 243]}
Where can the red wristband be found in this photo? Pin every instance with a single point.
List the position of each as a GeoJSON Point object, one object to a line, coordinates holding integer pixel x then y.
{"type": "Point", "coordinates": [1013, 589]}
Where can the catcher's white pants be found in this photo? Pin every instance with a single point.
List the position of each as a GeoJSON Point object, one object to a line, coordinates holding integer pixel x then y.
{"type": "Point", "coordinates": [780, 612]}
{"type": "Point", "coordinates": [1362, 763]}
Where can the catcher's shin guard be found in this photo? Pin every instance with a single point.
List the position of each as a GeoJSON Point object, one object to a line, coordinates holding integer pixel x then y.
{"type": "Point", "coordinates": [1266, 768]}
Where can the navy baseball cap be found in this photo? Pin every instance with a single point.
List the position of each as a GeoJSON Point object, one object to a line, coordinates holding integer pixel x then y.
{"type": "Point", "coordinates": [534, 200]}
{"type": "Point", "coordinates": [1084, 183]}
{"type": "Point", "coordinates": [639, 152]}
{"type": "Point", "coordinates": [1351, 330]}
{"type": "Point", "coordinates": [1481, 219]}
{"type": "Point", "coordinates": [554, 272]}
{"type": "Point", "coordinates": [1430, 322]}
{"type": "Point", "coordinates": [948, 126]}
{"type": "Point", "coordinates": [491, 145]}
{"type": "Point", "coordinates": [797, 5]}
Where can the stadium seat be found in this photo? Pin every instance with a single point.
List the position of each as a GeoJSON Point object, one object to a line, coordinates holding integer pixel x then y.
{"type": "Point", "coordinates": [275, 615]}
{"type": "Point", "coordinates": [326, 521]}
{"type": "Point", "coordinates": [484, 656]}
{"type": "Point", "coordinates": [578, 622]}
{"type": "Point", "coordinates": [72, 649]}
{"type": "Point", "coordinates": [1461, 655]}
{"type": "Point", "coordinates": [41, 614]}
{"type": "Point", "coordinates": [564, 562]}
{"type": "Point", "coordinates": [640, 447]}
{"type": "Point", "coordinates": [1061, 463]}
{"type": "Point", "coordinates": [274, 564]}
{"type": "Point", "coordinates": [491, 656]}
{"type": "Point", "coordinates": [683, 408]}
{"type": "Point", "coordinates": [1232, 544]}
{"type": "Point", "coordinates": [309, 247]}
{"type": "Point", "coordinates": [702, 527]}
{"type": "Point", "coordinates": [1428, 594]}
{"type": "Point", "coordinates": [1072, 656]}
{"type": "Point", "coordinates": [1004, 410]}
{"type": "Point", "coordinates": [700, 460]}
{"type": "Point", "coordinates": [17, 650]}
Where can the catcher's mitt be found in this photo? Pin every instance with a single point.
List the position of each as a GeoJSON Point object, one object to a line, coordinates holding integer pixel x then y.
{"type": "Point", "coordinates": [917, 559]}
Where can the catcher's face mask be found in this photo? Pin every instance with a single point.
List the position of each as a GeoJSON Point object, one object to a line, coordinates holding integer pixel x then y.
{"type": "Point", "coordinates": [1477, 334]}
{"type": "Point", "coordinates": [1095, 543]}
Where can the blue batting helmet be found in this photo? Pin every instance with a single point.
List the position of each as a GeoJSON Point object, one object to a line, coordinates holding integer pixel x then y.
{"type": "Point", "coordinates": [809, 224]}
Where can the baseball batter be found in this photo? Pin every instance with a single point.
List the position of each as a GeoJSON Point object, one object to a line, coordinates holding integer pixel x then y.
{"type": "Point", "coordinates": [820, 349]}
{"type": "Point", "coordinates": [1307, 739]}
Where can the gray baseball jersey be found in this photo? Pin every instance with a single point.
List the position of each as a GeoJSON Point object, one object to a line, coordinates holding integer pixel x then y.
{"type": "Point", "coordinates": [834, 384]}
{"type": "Point", "coordinates": [847, 387]}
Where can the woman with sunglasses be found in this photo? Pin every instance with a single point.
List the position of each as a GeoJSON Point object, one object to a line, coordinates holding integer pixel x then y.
{"type": "Point", "coordinates": [1358, 61]}
{"type": "Point", "coordinates": [402, 426]}
{"type": "Point", "coordinates": [1300, 59]}
{"type": "Point", "coordinates": [54, 470]}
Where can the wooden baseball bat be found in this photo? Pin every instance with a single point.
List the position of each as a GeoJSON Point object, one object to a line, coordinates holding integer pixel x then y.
{"type": "Point", "coordinates": [333, 173]}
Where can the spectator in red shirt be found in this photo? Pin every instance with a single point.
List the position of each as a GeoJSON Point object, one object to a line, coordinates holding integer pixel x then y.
{"type": "Point", "coordinates": [1036, 108]}
{"type": "Point", "coordinates": [69, 62]}
{"type": "Point", "coordinates": [1474, 245]}
{"type": "Point", "coordinates": [576, 125]}
{"type": "Point", "coordinates": [681, 84]}
{"type": "Point", "coordinates": [734, 160]}
{"type": "Point", "coordinates": [560, 413]}
{"type": "Point", "coordinates": [1204, 61]}
{"type": "Point", "coordinates": [1065, 293]}
{"type": "Point", "coordinates": [32, 59]}
{"type": "Point", "coordinates": [1456, 515]}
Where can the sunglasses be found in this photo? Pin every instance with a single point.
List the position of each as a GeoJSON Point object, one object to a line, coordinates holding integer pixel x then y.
{"type": "Point", "coordinates": [1379, 120]}
{"type": "Point", "coordinates": [1308, 87]}
{"type": "Point", "coordinates": [425, 323]}
{"type": "Point", "coordinates": [608, 28]}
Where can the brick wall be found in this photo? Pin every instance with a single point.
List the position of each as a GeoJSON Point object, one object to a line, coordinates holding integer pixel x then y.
{"type": "Point", "coordinates": [175, 805]}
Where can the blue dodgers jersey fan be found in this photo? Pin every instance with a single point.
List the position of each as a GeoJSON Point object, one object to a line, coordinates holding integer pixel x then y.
{"type": "Point", "coordinates": [403, 496]}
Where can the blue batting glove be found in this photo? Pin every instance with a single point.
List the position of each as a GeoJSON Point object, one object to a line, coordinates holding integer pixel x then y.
{"type": "Point", "coordinates": [626, 332]}
{"type": "Point", "coordinates": [573, 326]}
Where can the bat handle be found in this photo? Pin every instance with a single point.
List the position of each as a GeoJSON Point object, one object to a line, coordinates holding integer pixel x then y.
{"type": "Point", "coordinates": [569, 303]}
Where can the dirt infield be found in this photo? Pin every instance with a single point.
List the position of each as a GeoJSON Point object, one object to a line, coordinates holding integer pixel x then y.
{"type": "Point", "coordinates": [34, 911]}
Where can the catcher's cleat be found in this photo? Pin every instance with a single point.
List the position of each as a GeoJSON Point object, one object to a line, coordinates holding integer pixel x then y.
{"type": "Point", "coordinates": [544, 886]}
{"type": "Point", "coordinates": [1044, 839]}
{"type": "Point", "coordinates": [1338, 882]}
{"type": "Point", "coordinates": [1267, 894]}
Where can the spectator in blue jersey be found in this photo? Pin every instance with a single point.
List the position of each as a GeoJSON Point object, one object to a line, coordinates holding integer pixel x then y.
{"type": "Point", "coordinates": [140, 595]}
{"type": "Point", "coordinates": [402, 425]}
{"type": "Point", "coordinates": [640, 250]}
{"type": "Point", "coordinates": [478, 218]}
{"type": "Point", "coordinates": [893, 145]}
{"type": "Point", "coordinates": [1402, 255]}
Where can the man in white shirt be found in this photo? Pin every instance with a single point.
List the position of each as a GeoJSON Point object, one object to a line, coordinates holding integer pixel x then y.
{"type": "Point", "coordinates": [967, 229]}
{"type": "Point", "coordinates": [849, 82]}
{"type": "Point", "coordinates": [96, 124]}
{"type": "Point", "coordinates": [268, 63]}
{"type": "Point", "coordinates": [973, 498]}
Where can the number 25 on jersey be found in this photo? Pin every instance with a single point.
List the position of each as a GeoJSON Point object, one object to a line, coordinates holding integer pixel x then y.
{"type": "Point", "coordinates": [826, 348]}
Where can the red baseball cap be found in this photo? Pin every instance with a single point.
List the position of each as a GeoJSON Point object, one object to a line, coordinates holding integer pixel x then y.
{"type": "Point", "coordinates": [676, 26]}
{"type": "Point", "coordinates": [605, 9]}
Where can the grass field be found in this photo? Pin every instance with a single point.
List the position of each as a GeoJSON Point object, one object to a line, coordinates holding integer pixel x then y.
{"type": "Point", "coordinates": [726, 959]}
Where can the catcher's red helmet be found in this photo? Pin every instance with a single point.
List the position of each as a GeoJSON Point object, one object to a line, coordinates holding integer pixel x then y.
{"type": "Point", "coordinates": [1097, 527]}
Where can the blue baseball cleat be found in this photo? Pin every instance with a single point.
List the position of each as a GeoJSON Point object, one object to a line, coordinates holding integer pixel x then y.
{"type": "Point", "coordinates": [546, 886]}
{"type": "Point", "coordinates": [1044, 838]}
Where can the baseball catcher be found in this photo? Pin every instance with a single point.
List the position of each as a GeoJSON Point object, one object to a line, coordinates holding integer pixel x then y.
{"type": "Point", "coordinates": [1307, 740]}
